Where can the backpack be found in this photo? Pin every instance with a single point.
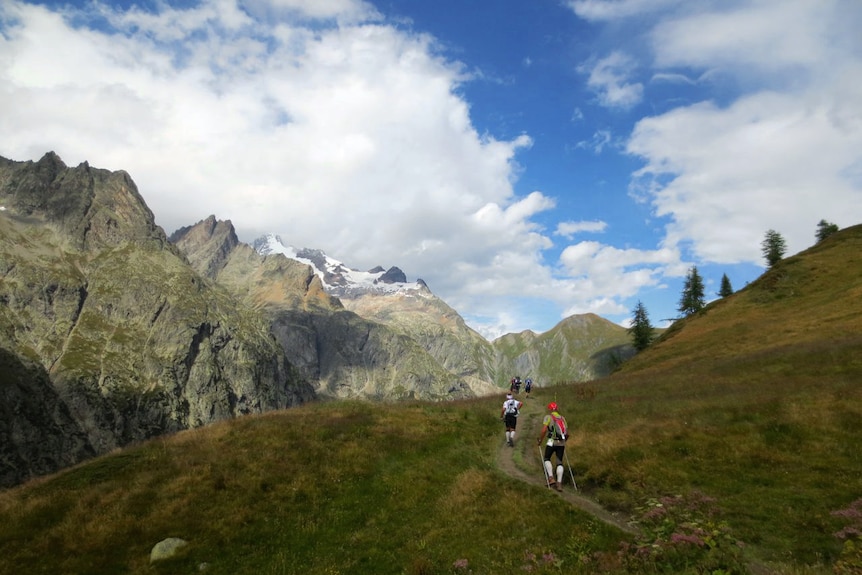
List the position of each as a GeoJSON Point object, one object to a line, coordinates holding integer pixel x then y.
{"type": "Point", "coordinates": [558, 428]}
{"type": "Point", "coordinates": [512, 407]}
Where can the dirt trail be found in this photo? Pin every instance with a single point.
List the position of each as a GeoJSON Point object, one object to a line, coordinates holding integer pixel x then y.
{"type": "Point", "coordinates": [525, 443]}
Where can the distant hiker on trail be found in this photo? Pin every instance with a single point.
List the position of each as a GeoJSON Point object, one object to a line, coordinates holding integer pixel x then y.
{"type": "Point", "coordinates": [516, 385]}
{"type": "Point", "coordinates": [554, 434]}
{"type": "Point", "coordinates": [528, 386]}
{"type": "Point", "coordinates": [509, 414]}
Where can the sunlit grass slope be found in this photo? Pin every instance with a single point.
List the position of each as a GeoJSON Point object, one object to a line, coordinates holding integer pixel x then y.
{"type": "Point", "coordinates": [328, 488]}
{"type": "Point", "coordinates": [757, 402]}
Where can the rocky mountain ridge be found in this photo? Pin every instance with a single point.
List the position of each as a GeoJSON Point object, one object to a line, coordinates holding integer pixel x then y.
{"type": "Point", "coordinates": [341, 353]}
{"type": "Point", "coordinates": [107, 335]}
{"type": "Point", "coordinates": [111, 332]}
{"type": "Point", "coordinates": [338, 279]}
{"type": "Point", "coordinates": [578, 348]}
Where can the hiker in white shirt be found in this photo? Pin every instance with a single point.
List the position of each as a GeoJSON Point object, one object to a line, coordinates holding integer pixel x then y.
{"type": "Point", "coordinates": [509, 415]}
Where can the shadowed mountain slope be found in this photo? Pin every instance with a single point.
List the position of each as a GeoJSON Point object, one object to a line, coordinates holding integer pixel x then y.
{"type": "Point", "coordinates": [343, 354]}
{"type": "Point", "coordinates": [104, 319]}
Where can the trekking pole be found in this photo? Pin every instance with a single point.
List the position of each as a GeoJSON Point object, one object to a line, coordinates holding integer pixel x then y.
{"type": "Point", "coordinates": [571, 473]}
{"type": "Point", "coordinates": [544, 471]}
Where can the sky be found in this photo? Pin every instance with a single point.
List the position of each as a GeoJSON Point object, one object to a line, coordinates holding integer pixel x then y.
{"type": "Point", "coordinates": [528, 159]}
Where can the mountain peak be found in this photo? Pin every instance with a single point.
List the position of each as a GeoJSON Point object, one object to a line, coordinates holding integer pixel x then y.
{"type": "Point", "coordinates": [207, 244]}
{"type": "Point", "coordinates": [393, 275]}
{"type": "Point", "coordinates": [338, 279]}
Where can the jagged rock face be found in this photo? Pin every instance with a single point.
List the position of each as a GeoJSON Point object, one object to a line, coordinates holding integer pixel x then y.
{"type": "Point", "coordinates": [343, 354]}
{"type": "Point", "coordinates": [579, 348]}
{"type": "Point", "coordinates": [207, 245]}
{"type": "Point", "coordinates": [393, 275]}
{"type": "Point", "coordinates": [263, 280]}
{"type": "Point", "coordinates": [438, 329]}
{"type": "Point", "coordinates": [131, 341]}
{"type": "Point", "coordinates": [38, 435]}
{"type": "Point", "coordinates": [89, 208]}
{"type": "Point", "coordinates": [351, 357]}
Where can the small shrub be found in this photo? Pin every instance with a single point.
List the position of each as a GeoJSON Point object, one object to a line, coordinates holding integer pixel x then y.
{"type": "Point", "coordinates": [682, 534]}
{"type": "Point", "coordinates": [547, 562]}
{"type": "Point", "coordinates": [850, 561]}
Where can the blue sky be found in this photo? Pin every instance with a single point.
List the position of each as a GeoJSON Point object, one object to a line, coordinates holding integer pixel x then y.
{"type": "Point", "coordinates": [529, 159]}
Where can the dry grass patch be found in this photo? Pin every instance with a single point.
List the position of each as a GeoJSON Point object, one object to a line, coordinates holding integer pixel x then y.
{"type": "Point", "coordinates": [462, 493]}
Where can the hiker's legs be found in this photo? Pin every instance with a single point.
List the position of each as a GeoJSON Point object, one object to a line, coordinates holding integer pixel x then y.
{"type": "Point", "coordinates": [549, 469]}
{"type": "Point", "coordinates": [557, 450]}
{"type": "Point", "coordinates": [511, 423]}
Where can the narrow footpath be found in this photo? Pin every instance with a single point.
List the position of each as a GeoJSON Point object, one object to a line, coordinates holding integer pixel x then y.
{"type": "Point", "coordinates": [529, 423]}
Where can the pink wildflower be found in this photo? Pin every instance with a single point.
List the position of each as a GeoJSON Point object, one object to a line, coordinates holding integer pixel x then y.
{"type": "Point", "coordinates": [685, 538]}
{"type": "Point", "coordinates": [853, 513]}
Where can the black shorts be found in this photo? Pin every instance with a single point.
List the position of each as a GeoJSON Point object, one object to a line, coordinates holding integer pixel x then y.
{"type": "Point", "coordinates": [558, 450]}
{"type": "Point", "coordinates": [511, 420]}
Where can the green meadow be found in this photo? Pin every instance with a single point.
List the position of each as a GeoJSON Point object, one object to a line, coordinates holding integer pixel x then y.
{"type": "Point", "coordinates": [732, 445]}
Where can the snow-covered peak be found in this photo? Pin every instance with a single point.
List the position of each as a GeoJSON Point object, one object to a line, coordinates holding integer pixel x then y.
{"type": "Point", "coordinates": [338, 279]}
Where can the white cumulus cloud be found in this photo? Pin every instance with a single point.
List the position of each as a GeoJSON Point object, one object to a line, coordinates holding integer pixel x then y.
{"type": "Point", "coordinates": [316, 121]}
{"type": "Point", "coordinates": [610, 79]}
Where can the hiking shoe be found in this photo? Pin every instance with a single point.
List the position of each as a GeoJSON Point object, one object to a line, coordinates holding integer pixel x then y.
{"type": "Point", "coordinates": [560, 487]}
{"type": "Point", "coordinates": [552, 484]}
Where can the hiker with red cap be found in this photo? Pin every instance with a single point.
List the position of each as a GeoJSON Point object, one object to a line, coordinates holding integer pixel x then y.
{"type": "Point", "coordinates": [554, 434]}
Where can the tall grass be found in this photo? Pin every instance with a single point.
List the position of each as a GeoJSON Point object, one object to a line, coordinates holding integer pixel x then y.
{"type": "Point", "coordinates": [331, 488]}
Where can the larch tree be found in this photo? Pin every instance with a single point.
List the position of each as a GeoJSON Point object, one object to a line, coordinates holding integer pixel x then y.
{"type": "Point", "coordinates": [773, 247]}
{"type": "Point", "coordinates": [726, 289]}
{"type": "Point", "coordinates": [692, 300]}
{"type": "Point", "coordinates": [641, 329]}
{"type": "Point", "coordinates": [825, 229]}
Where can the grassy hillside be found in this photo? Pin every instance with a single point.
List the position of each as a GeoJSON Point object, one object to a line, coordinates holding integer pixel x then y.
{"type": "Point", "coordinates": [733, 441]}
{"type": "Point", "coordinates": [757, 402]}
{"type": "Point", "coordinates": [578, 348]}
{"type": "Point", "coordinates": [322, 489]}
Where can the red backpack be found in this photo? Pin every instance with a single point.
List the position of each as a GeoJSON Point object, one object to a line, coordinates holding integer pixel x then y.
{"type": "Point", "coordinates": [559, 429]}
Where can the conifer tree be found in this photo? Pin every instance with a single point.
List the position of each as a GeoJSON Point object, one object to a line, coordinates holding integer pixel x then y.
{"type": "Point", "coordinates": [692, 300]}
{"type": "Point", "coordinates": [641, 329]}
{"type": "Point", "coordinates": [726, 288]}
{"type": "Point", "coordinates": [773, 247]}
{"type": "Point", "coordinates": [825, 229]}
